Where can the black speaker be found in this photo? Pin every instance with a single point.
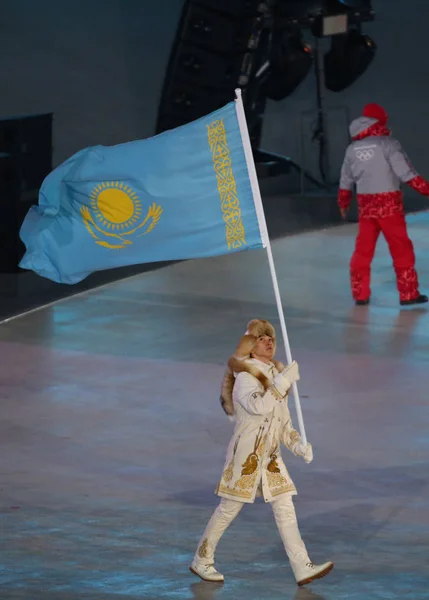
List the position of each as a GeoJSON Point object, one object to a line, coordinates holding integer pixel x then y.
{"type": "Point", "coordinates": [349, 57]}
{"type": "Point", "coordinates": [214, 42]}
{"type": "Point", "coordinates": [291, 61]}
{"type": "Point", "coordinates": [25, 161]}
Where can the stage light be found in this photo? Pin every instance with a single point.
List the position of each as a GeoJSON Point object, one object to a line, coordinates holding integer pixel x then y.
{"type": "Point", "coordinates": [349, 57]}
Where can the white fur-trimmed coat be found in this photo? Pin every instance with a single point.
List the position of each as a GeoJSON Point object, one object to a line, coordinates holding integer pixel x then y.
{"type": "Point", "coordinates": [262, 425]}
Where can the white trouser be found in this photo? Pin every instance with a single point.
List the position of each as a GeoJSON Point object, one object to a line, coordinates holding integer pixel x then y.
{"type": "Point", "coordinates": [285, 516]}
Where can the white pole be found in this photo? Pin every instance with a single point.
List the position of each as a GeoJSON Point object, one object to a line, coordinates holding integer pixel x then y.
{"type": "Point", "coordinates": [266, 241]}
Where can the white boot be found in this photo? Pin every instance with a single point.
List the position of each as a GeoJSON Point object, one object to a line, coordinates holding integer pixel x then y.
{"type": "Point", "coordinates": [206, 572]}
{"type": "Point", "coordinates": [203, 562]}
{"type": "Point", "coordinates": [309, 572]}
{"type": "Point", "coordinates": [302, 567]}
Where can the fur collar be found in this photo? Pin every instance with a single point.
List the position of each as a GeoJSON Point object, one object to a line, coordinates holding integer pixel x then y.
{"type": "Point", "coordinates": [237, 365]}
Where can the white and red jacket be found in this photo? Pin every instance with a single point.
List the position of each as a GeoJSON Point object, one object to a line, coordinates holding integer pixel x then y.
{"type": "Point", "coordinates": [376, 163]}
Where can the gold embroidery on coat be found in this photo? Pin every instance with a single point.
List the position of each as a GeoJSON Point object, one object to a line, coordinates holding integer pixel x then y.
{"type": "Point", "coordinates": [246, 481]}
{"type": "Point", "coordinates": [274, 476]}
{"type": "Point", "coordinates": [288, 487]}
{"type": "Point", "coordinates": [273, 467]}
{"type": "Point", "coordinates": [224, 489]}
{"type": "Point", "coordinates": [261, 448]}
{"type": "Point", "coordinates": [276, 479]}
{"type": "Point", "coordinates": [250, 465]}
{"type": "Point", "coordinates": [249, 472]}
{"type": "Point", "coordinates": [203, 549]}
{"type": "Point", "coordinates": [229, 471]}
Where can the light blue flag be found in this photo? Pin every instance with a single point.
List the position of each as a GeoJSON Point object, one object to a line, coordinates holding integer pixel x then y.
{"type": "Point", "coordinates": [183, 194]}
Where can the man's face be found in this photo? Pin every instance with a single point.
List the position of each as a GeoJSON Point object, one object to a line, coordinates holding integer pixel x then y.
{"type": "Point", "coordinates": [264, 348]}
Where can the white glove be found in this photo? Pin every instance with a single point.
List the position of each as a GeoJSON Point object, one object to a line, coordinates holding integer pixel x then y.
{"type": "Point", "coordinates": [305, 451]}
{"type": "Point", "coordinates": [291, 372]}
{"type": "Point", "coordinates": [286, 378]}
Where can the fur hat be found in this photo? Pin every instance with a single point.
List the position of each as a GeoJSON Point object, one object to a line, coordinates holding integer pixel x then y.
{"type": "Point", "coordinates": [255, 329]}
{"type": "Point", "coordinates": [375, 111]}
{"type": "Point", "coordinates": [238, 361]}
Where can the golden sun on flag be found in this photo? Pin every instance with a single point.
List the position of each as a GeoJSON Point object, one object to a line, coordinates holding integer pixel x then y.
{"type": "Point", "coordinates": [115, 215]}
{"type": "Point", "coordinates": [115, 205]}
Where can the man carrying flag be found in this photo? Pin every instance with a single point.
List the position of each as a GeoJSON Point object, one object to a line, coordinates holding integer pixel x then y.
{"type": "Point", "coordinates": [191, 192]}
{"type": "Point", "coordinates": [254, 393]}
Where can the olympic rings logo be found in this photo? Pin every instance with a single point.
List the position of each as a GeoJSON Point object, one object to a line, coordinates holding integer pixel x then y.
{"type": "Point", "coordinates": [365, 154]}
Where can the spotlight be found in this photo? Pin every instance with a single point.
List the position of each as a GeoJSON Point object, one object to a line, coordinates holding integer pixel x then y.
{"type": "Point", "coordinates": [331, 25]}
{"type": "Point", "coordinates": [349, 57]}
{"type": "Point", "coordinates": [290, 60]}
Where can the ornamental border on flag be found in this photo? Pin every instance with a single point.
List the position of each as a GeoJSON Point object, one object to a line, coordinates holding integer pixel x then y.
{"type": "Point", "coordinates": [227, 187]}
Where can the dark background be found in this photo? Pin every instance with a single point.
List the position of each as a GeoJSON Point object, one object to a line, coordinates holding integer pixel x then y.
{"type": "Point", "coordinates": [99, 67]}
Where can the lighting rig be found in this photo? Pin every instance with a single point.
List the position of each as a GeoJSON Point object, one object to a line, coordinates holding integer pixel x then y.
{"type": "Point", "coordinates": [260, 47]}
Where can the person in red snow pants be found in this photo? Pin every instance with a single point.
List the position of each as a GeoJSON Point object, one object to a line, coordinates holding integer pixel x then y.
{"type": "Point", "coordinates": [377, 165]}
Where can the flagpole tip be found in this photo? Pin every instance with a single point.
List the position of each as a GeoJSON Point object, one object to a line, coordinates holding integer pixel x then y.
{"type": "Point", "coordinates": [238, 93]}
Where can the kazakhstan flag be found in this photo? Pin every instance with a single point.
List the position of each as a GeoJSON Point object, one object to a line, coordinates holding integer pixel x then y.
{"type": "Point", "coordinates": [183, 194]}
